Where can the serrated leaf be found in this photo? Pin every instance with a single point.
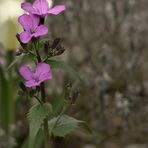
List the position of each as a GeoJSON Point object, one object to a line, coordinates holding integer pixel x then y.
{"type": "Point", "coordinates": [62, 65]}
{"type": "Point", "coordinates": [36, 116]}
{"type": "Point", "coordinates": [61, 126]}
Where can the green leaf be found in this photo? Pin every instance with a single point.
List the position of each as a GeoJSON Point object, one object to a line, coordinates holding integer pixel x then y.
{"type": "Point", "coordinates": [57, 105]}
{"type": "Point", "coordinates": [21, 57]}
{"type": "Point", "coordinates": [4, 108]}
{"type": "Point", "coordinates": [36, 116]}
{"type": "Point", "coordinates": [61, 126]}
{"type": "Point", "coordinates": [39, 141]}
{"type": "Point", "coordinates": [60, 64]}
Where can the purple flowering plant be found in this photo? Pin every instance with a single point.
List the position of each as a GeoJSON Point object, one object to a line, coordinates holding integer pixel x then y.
{"type": "Point", "coordinates": [43, 117]}
{"type": "Point", "coordinates": [30, 24]}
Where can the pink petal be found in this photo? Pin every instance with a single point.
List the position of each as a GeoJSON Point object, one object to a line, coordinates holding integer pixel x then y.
{"type": "Point", "coordinates": [31, 83]}
{"type": "Point", "coordinates": [40, 31]}
{"type": "Point", "coordinates": [45, 77]}
{"type": "Point", "coordinates": [57, 9]}
{"type": "Point", "coordinates": [25, 37]}
{"type": "Point", "coordinates": [29, 22]}
{"type": "Point", "coordinates": [41, 6]}
{"type": "Point", "coordinates": [26, 73]}
{"type": "Point", "coordinates": [26, 21]}
{"type": "Point", "coordinates": [27, 7]}
{"type": "Point", "coordinates": [43, 71]}
{"type": "Point", "coordinates": [35, 21]}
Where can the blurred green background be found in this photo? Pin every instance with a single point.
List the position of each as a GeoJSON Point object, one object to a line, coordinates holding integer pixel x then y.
{"type": "Point", "coordinates": [106, 42]}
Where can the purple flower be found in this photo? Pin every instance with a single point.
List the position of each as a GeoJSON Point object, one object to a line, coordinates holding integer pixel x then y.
{"type": "Point", "coordinates": [31, 27]}
{"type": "Point", "coordinates": [41, 8]}
{"type": "Point", "coordinates": [42, 73]}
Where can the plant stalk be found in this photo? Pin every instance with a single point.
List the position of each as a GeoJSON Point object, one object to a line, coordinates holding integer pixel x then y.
{"type": "Point", "coordinates": [46, 130]}
{"type": "Point", "coordinates": [48, 143]}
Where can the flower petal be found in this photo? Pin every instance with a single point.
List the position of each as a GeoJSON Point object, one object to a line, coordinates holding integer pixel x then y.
{"type": "Point", "coordinates": [27, 7]}
{"type": "Point", "coordinates": [40, 31]}
{"type": "Point", "coordinates": [25, 37]}
{"type": "Point", "coordinates": [57, 9]}
{"type": "Point", "coordinates": [43, 71]}
{"type": "Point", "coordinates": [26, 21]}
{"type": "Point", "coordinates": [35, 21]}
{"type": "Point", "coordinates": [31, 83]}
{"type": "Point", "coordinates": [41, 6]}
{"type": "Point", "coordinates": [29, 22]}
{"type": "Point", "coordinates": [26, 73]}
{"type": "Point", "coordinates": [46, 76]}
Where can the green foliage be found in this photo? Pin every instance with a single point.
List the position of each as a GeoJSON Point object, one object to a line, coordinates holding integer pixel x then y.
{"type": "Point", "coordinates": [4, 109]}
{"type": "Point", "coordinates": [60, 64]}
{"type": "Point", "coordinates": [36, 116]}
{"type": "Point", "coordinates": [7, 89]}
{"type": "Point", "coordinates": [38, 141]}
{"type": "Point", "coordinates": [57, 105]}
{"type": "Point", "coordinates": [63, 125]}
{"type": "Point", "coordinates": [22, 57]}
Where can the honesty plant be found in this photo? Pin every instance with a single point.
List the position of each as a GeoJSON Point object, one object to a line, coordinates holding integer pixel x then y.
{"type": "Point", "coordinates": [44, 116]}
{"type": "Point", "coordinates": [30, 24]}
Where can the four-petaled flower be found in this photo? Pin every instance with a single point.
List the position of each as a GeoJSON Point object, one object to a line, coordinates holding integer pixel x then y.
{"type": "Point", "coordinates": [31, 27]}
{"type": "Point", "coordinates": [41, 8]}
{"type": "Point", "coordinates": [41, 74]}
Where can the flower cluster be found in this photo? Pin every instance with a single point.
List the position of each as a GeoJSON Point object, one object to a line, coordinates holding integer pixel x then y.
{"type": "Point", "coordinates": [33, 28]}
{"type": "Point", "coordinates": [31, 21]}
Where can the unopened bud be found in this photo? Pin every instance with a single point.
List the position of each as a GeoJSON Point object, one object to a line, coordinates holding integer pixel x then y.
{"type": "Point", "coordinates": [55, 43]}
{"type": "Point", "coordinates": [68, 90]}
{"type": "Point", "coordinates": [18, 52]}
{"type": "Point", "coordinates": [60, 50]}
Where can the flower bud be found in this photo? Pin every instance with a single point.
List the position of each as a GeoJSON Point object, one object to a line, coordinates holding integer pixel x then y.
{"type": "Point", "coordinates": [68, 90]}
{"type": "Point", "coordinates": [55, 43]}
{"type": "Point", "coordinates": [18, 52]}
{"type": "Point", "coordinates": [59, 50]}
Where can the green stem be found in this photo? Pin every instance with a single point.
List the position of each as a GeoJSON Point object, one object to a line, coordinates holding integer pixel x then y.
{"type": "Point", "coordinates": [11, 91]}
{"type": "Point", "coordinates": [60, 115]}
{"type": "Point", "coordinates": [45, 124]}
{"type": "Point", "coordinates": [43, 95]}
{"type": "Point", "coordinates": [38, 99]}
